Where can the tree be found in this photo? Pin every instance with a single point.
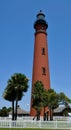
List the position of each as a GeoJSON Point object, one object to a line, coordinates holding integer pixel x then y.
{"type": "Point", "coordinates": [54, 99]}
{"type": "Point", "coordinates": [44, 98]}
{"type": "Point", "coordinates": [64, 99]}
{"type": "Point", "coordinates": [3, 112]}
{"type": "Point", "coordinates": [9, 109]}
{"type": "Point", "coordinates": [50, 100]}
{"type": "Point", "coordinates": [37, 95]}
{"type": "Point", "coordinates": [45, 104]}
{"type": "Point", "coordinates": [16, 85]}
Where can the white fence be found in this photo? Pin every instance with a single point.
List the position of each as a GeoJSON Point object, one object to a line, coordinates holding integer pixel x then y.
{"type": "Point", "coordinates": [36, 124]}
{"type": "Point", "coordinates": [30, 118]}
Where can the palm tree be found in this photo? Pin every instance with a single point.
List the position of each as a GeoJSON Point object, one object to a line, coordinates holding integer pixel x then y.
{"type": "Point", "coordinates": [64, 99]}
{"type": "Point", "coordinates": [10, 94]}
{"type": "Point", "coordinates": [16, 85]}
{"type": "Point", "coordinates": [45, 104]}
{"type": "Point", "coordinates": [37, 96]}
{"type": "Point", "coordinates": [52, 99]}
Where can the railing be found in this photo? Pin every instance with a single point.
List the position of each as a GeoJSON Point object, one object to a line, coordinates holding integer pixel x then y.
{"type": "Point", "coordinates": [36, 124]}
{"type": "Point", "coordinates": [58, 118]}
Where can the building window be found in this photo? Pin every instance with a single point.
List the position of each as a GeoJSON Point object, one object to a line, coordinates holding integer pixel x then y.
{"type": "Point", "coordinates": [43, 51]}
{"type": "Point", "coordinates": [43, 71]}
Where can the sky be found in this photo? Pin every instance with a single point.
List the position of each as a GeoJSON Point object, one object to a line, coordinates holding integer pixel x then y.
{"type": "Point", "coordinates": [17, 43]}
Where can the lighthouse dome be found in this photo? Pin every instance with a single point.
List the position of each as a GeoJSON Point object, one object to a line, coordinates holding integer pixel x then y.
{"type": "Point", "coordinates": [40, 19]}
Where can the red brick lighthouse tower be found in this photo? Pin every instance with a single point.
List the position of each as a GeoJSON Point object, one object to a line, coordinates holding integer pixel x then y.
{"type": "Point", "coordinates": [40, 62]}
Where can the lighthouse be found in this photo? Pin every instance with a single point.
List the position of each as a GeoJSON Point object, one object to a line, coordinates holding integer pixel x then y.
{"type": "Point", "coordinates": [40, 59]}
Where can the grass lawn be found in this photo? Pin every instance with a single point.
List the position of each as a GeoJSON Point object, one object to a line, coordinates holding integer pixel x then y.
{"type": "Point", "coordinates": [28, 129]}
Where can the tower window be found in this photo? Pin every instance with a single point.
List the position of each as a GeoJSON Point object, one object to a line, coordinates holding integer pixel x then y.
{"type": "Point", "coordinates": [42, 28]}
{"type": "Point", "coordinates": [43, 71]}
{"type": "Point", "coordinates": [43, 51]}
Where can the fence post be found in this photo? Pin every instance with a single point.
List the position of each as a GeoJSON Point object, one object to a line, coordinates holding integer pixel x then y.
{"type": "Point", "coordinates": [40, 124]}
{"type": "Point", "coordinates": [10, 124]}
{"type": "Point", "coordinates": [56, 124]}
